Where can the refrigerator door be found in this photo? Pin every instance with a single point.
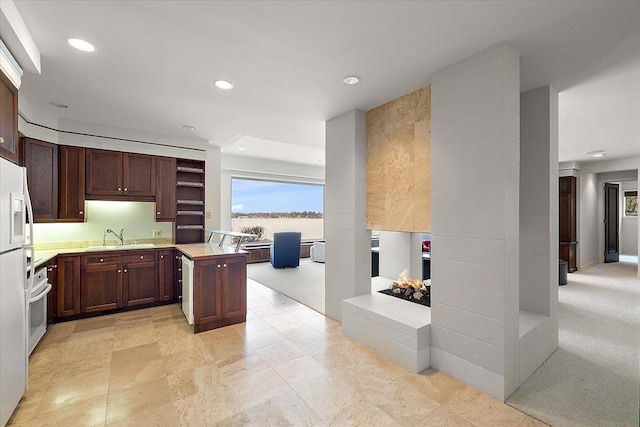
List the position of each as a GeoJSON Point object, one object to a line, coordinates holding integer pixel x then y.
{"type": "Point", "coordinates": [13, 332]}
{"type": "Point", "coordinates": [12, 206]}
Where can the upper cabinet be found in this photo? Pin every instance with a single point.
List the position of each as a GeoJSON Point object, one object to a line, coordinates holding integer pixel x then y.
{"type": "Point", "coordinates": [71, 183]}
{"type": "Point", "coordinates": [120, 176]}
{"type": "Point", "coordinates": [8, 119]}
{"type": "Point", "coordinates": [165, 189]}
{"type": "Point", "coordinates": [41, 160]}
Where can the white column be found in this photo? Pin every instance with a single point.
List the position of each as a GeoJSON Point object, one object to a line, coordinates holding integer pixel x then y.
{"type": "Point", "coordinates": [348, 242]}
{"type": "Point", "coordinates": [475, 192]}
{"type": "Point", "coordinates": [212, 187]}
{"type": "Point", "coordinates": [400, 251]}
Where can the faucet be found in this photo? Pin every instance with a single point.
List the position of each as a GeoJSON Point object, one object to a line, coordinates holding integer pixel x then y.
{"type": "Point", "coordinates": [120, 236]}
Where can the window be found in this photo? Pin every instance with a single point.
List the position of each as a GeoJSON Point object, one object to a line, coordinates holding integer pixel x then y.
{"type": "Point", "coordinates": [267, 207]}
{"type": "Point", "coordinates": [631, 203]}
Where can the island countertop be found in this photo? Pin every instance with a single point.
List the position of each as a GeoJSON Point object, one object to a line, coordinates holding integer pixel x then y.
{"type": "Point", "coordinates": [196, 251]}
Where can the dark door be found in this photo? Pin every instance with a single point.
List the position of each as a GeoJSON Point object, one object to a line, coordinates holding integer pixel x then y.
{"type": "Point", "coordinates": [611, 216]}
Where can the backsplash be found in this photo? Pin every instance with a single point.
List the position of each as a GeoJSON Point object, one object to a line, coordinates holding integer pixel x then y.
{"type": "Point", "coordinates": [136, 218]}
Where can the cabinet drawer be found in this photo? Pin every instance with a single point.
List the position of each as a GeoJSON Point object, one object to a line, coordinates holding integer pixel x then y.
{"type": "Point", "coordinates": [122, 257]}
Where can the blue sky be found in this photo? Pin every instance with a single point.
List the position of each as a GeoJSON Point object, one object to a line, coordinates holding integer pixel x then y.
{"type": "Point", "coordinates": [267, 196]}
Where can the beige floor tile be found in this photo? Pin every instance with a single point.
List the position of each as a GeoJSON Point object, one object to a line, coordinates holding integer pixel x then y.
{"type": "Point", "coordinates": [328, 396]}
{"type": "Point", "coordinates": [95, 324]}
{"type": "Point", "coordinates": [483, 410]}
{"type": "Point", "coordinates": [339, 356]}
{"type": "Point", "coordinates": [233, 368]}
{"type": "Point", "coordinates": [280, 319]}
{"type": "Point", "coordinates": [436, 385]}
{"type": "Point", "coordinates": [401, 401]}
{"type": "Point", "coordinates": [87, 413]}
{"type": "Point", "coordinates": [238, 420]}
{"type": "Point", "coordinates": [146, 397]}
{"type": "Point", "coordinates": [531, 422]}
{"type": "Point", "coordinates": [162, 416]}
{"type": "Point", "coordinates": [208, 407]}
{"type": "Point", "coordinates": [197, 380]}
{"type": "Point", "coordinates": [182, 361]}
{"type": "Point", "coordinates": [264, 338]}
{"type": "Point", "coordinates": [300, 371]}
{"type": "Point", "coordinates": [259, 387]}
{"type": "Point", "coordinates": [133, 336]}
{"type": "Point", "coordinates": [360, 414]}
{"type": "Point", "coordinates": [280, 352]}
{"type": "Point", "coordinates": [295, 329]}
{"type": "Point", "coordinates": [227, 349]}
{"type": "Point", "coordinates": [313, 342]}
{"type": "Point", "coordinates": [287, 409]}
{"type": "Point", "coordinates": [57, 332]}
{"type": "Point", "coordinates": [135, 366]}
{"type": "Point", "coordinates": [443, 417]}
{"type": "Point", "coordinates": [89, 345]}
{"type": "Point", "coordinates": [176, 342]}
{"type": "Point", "coordinates": [251, 325]}
{"type": "Point", "coordinates": [303, 313]}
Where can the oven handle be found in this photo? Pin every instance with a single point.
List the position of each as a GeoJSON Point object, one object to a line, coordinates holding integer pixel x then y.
{"type": "Point", "coordinates": [41, 294]}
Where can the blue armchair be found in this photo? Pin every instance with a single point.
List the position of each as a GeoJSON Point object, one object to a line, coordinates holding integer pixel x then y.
{"type": "Point", "coordinates": [285, 250]}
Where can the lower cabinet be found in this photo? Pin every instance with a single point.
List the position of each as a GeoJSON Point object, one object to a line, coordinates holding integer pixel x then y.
{"type": "Point", "coordinates": [112, 281]}
{"type": "Point", "coordinates": [167, 272]}
{"type": "Point", "coordinates": [219, 292]}
{"type": "Point", "coordinates": [68, 292]}
{"type": "Point", "coordinates": [52, 278]}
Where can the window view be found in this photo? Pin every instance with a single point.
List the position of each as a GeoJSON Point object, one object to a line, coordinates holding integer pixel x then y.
{"type": "Point", "coordinates": [267, 207]}
{"type": "Point", "coordinates": [631, 203]}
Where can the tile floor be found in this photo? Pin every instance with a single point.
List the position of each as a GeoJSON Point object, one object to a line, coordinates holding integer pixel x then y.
{"type": "Point", "coordinates": [287, 365]}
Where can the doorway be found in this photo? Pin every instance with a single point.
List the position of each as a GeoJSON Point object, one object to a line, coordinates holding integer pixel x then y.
{"type": "Point", "coordinates": [611, 222]}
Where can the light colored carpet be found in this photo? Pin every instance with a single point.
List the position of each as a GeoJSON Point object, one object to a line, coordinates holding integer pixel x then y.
{"type": "Point", "coordinates": [593, 379]}
{"type": "Point", "coordinates": [304, 284]}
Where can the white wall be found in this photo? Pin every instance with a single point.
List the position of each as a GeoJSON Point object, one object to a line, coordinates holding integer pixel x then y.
{"type": "Point", "coordinates": [588, 223]}
{"type": "Point", "coordinates": [475, 209]}
{"type": "Point", "coordinates": [400, 251]}
{"type": "Point", "coordinates": [348, 242]}
{"type": "Point", "coordinates": [629, 225]}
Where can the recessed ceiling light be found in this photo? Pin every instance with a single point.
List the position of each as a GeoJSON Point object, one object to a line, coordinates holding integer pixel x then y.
{"type": "Point", "coordinates": [81, 45]}
{"type": "Point", "coordinates": [240, 149]}
{"type": "Point", "coordinates": [59, 105]}
{"type": "Point", "coordinates": [351, 80]}
{"type": "Point", "coordinates": [595, 153]}
{"type": "Point", "coordinates": [188, 127]}
{"type": "Point", "coordinates": [223, 84]}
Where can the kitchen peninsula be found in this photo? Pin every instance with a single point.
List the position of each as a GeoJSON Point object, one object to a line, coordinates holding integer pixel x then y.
{"type": "Point", "coordinates": [214, 285]}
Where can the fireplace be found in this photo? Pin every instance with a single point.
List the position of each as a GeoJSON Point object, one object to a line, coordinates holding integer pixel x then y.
{"type": "Point", "coordinates": [416, 291]}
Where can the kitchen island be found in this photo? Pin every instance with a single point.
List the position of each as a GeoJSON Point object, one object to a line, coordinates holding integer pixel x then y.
{"type": "Point", "coordinates": [214, 285]}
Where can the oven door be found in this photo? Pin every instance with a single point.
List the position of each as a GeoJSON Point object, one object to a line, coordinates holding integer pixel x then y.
{"type": "Point", "coordinates": [38, 314]}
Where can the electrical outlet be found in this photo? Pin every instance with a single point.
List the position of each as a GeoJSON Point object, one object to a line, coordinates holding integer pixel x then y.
{"type": "Point", "coordinates": [156, 233]}
{"type": "Point", "coordinates": [208, 215]}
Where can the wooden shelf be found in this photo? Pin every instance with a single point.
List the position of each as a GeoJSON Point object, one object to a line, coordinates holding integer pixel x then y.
{"type": "Point", "coordinates": [190, 169]}
{"type": "Point", "coordinates": [190, 184]}
{"type": "Point", "coordinates": [190, 227]}
{"type": "Point", "coordinates": [191, 202]}
{"type": "Point", "coordinates": [194, 213]}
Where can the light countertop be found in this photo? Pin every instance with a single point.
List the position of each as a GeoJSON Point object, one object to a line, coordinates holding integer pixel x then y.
{"type": "Point", "coordinates": [205, 250]}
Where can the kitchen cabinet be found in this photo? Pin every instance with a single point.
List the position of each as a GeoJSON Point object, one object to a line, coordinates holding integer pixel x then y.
{"type": "Point", "coordinates": [165, 189]}
{"type": "Point", "coordinates": [120, 176]}
{"type": "Point", "coordinates": [568, 221]}
{"type": "Point", "coordinates": [177, 268]}
{"type": "Point", "coordinates": [71, 175]}
{"type": "Point", "coordinates": [52, 278]}
{"type": "Point", "coordinates": [68, 292]}
{"type": "Point", "coordinates": [189, 201]}
{"type": "Point", "coordinates": [166, 272]}
{"type": "Point", "coordinates": [41, 160]}
{"type": "Point", "coordinates": [114, 280]}
{"type": "Point", "coordinates": [219, 291]}
{"type": "Point", "coordinates": [9, 147]}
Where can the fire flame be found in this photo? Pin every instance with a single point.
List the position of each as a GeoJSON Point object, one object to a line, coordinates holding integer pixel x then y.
{"type": "Point", "coordinates": [404, 282]}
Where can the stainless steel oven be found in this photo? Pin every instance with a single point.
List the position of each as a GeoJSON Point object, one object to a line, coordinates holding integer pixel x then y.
{"type": "Point", "coordinates": [38, 307]}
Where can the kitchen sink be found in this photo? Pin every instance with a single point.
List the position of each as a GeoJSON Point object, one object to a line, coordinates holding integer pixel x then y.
{"type": "Point", "coordinates": [121, 247]}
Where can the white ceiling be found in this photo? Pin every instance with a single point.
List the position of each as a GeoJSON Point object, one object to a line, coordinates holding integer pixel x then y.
{"type": "Point", "coordinates": [155, 63]}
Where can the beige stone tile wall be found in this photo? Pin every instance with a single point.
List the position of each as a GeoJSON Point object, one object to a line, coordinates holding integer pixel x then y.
{"type": "Point", "coordinates": [399, 164]}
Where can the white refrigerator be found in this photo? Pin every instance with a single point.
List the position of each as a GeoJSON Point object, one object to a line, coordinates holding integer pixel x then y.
{"type": "Point", "coordinates": [14, 286]}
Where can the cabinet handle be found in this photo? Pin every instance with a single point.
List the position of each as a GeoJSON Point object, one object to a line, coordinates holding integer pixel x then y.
{"type": "Point", "coordinates": [55, 266]}
{"type": "Point", "coordinates": [119, 271]}
{"type": "Point", "coordinates": [119, 188]}
{"type": "Point", "coordinates": [50, 269]}
{"type": "Point", "coordinates": [126, 271]}
{"type": "Point", "coordinates": [161, 256]}
{"type": "Point", "coordinates": [1, 140]}
{"type": "Point", "coordinates": [218, 265]}
{"type": "Point", "coordinates": [141, 256]}
{"type": "Point", "coordinates": [101, 260]}
{"type": "Point", "coordinates": [224, 265]}
{"type": "Point", "coordinates": [125, 188]}
{"type": "Point", "coordinates": [158, 213]}
{"type": "Point", "coordinates": [180, 281]}
{"type": "Point", "coordinates": [179, 269]}
{"type": "Point", "coordinates": [81, 213]}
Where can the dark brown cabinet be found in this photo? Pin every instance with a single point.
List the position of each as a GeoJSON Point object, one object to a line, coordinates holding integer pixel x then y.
{"type": "Point", "coordinates": [9, 147]}
{"type": "Point", "coordinates": [71, 175]}
{"type": "Point", "coordinates": [219, 292]}
{"type": "Point", "coordinates": [567, 221]}
{"type": "Point", "coordinates": [165, 189]}
{"type": "Point", "coordinates": [68, 292]}
{"type": "Point", "coordinates": [52, 278]}
{"type": "Point", "coordinates": [41, 160]}
{"type": "Point", "coordinates": [111, 280]}
{"type": "Point", "coordinates": [189, 201]}
{"type": "Point", "coordinates": [166, 272]}
{"type": "Point", "coordinates": [120, 176]}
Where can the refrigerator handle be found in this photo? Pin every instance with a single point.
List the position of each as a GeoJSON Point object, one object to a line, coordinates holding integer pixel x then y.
{"type": "Point", "coordinates": [32, 265]}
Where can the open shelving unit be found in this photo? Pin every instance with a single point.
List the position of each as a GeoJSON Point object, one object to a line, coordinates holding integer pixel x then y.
{"type": "Point", "coordinates": [189, 201]}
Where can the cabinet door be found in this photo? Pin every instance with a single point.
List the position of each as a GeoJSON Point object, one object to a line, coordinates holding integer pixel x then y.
{"type": "Point", "coordinates": [177, 268]}
{"type": "Point", "coordinates": [8, 119]}
{"type": "Point", "coordinates": [165, 189]}
{"type": "Point", "coordinates": [41, 160]}
{"type": "Point", "coordinates": [68, 286]}
{"type": "Point", "coordinates": [207, 277]}
{"type": "Point", "coordinates": [234, 286]}
{"type": "Point", "coordinates": [103, 172]}
{"type": "Point", "coordinates": [101, 287]}
{"type": "Point", "coordinates": [140, 283]}
{"type": "Point", "coordinates": [52, 278]}
{"type": "Point", "coordinates": [71, 183]}
{"type": "Point", "coordinates": [139, 175]}
{"type": "Point", "coordinates": [167, 274]}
